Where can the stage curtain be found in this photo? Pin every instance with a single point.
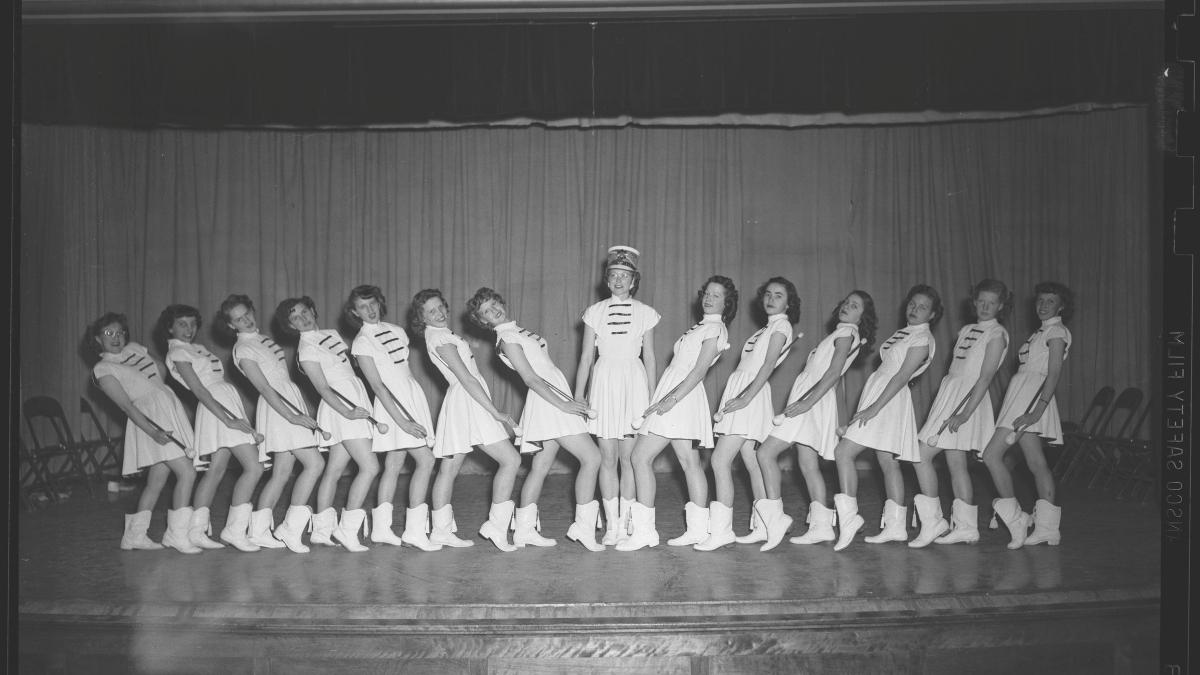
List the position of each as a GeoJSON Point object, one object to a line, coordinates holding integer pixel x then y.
{"type": "Point", "coordinates": [131, 221]}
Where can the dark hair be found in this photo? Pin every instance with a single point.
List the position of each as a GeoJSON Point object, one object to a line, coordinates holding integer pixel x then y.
{"type": "Point", "coordinates": [935, 301]}
{"type": "Point", "coordinates": [416, 323]}
{"type": "Point", "coordinates": [162, 328]}
{"type": "Point", "coordinates": [229, 303]}
{"type": "Point", "coordinates": [793, 298]}
{"type": "Point", "coordinates": [731, 296]}
{"type": "Point", "coordinates": [1064, 294]}
{"type": "Point", "coordinates": [867, 323]}
{"type": "Point", "coordinates": [1001, 291]}
{"type": "Point", "coordinates": [481, 296]}
{"type": "Point", "coordinates": [96, 327]}
{"type": "Point", "coordinates": [285, 308]}
{"type": "Point", "coordinates": [637, 279]}
{"type": "Point", "coordinates": [364, 292]}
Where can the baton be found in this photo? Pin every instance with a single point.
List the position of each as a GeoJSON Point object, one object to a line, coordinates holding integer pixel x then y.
{"type": "Point", "coordinates": [379, 426]}
{"type": "Point", "coordinates": [324, 434]}
{"type": "Point", "coordinates": [591, 414]}
{"type": "Point", "coordinates": [258, 438]}
{"type": "Point", "coordinates": [404, 411]}
{"type": "Point", "coordinates": [1016, 433]}
{"type": "Point", "coordinates": [932, 440]}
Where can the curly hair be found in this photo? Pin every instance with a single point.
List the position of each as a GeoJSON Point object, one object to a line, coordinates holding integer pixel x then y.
{"type": "Point", "coordinates": [731, 296]}
{"type": "Point", "coordinates": [227, 306]}
{"type": "Point", "coordinates": [96, 328]}
{"type": "Point", "coordinates": [868, 323]}
{"type": "Point", "coordinates": [481, 296]}
{"type": "Point", "coordinates": [364, 292]}
{"type": "Point", "coordinates": [793, 297]}
{"type": "Point", "coordinates": [162, 327]}
{"type": "Point", "coordinates": [416, 323]}
{"type": "Point", "coordinates": [284, 309]}
{"type": "Point", "coordinates": [935, 302]}
{"type": "Point", "coordinates": [1064, 294]}
{"type": "Point", "coordinates": [1001, 291]}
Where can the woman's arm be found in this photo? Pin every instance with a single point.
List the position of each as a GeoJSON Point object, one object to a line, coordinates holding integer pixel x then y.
{"type": "Point", "coordinates": [536, 383]}
{"type": "Point", "coordinates": [841, 352]}
{"type": "Point", "coordinates": [254, 373]}
{"type": "Point", "coordinates": [708, 352]}
{"type": "Point", "coordinates": [774, 349]}
{"type": "Point", "coordinates": [117, 394]}
{"type": "Point", "coordinates": [649, 360]}
{"type": "Point", "coordinates": [913, 359]}
{"type": "Point", "coordinates": [367, 365]}
{"type": "Point", "coordinates": [449, 354]}
{"type": "Point", "coordinates": [1058, 350]}
{"type": "Point", "coordinates": [317, 376]}
{"type": "Point", "coordinates": [206, 399]}
{"type": "Point", "coordinates": [586, 358]}
{"type": "Point", "coordinates": [991, 363]}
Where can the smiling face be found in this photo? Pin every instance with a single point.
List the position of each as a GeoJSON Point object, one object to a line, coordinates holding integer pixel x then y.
{"type": "Point", "coordinates": [367, 310]}
{"type": "Point", "coordinates": [851, 309]}
{"type": "Point", "coordinates": [919, 310]}
{"type": "Point", "coordinates": [492, 312]}
{"type": "Point", "coordinates": [434, 313]}
{"type": "Point", "coordinates": [713, 301]}
{"type": "Point", "coordinates": [620, 283]}
{"type": "Point", "coordinates": [241, 319]}
{"type": "Point", "coordinates": [775, 299]}
{"type": "Point", "coordinates": [112, 338]}
{"type": "Point", "coordinates": [301, 318]}
{"type": "Point", "coordinates": [1049, 305]}
{"type": "Point", "coordinates": [987, 305]}
{"type": "Point", "coordinates": [184, 328]}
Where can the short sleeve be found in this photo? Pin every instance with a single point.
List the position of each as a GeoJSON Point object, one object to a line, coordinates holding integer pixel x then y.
{"type": "Point", "coordinates": [649, 317]}
{"type": "Point", "coordinates": [306, 352]}
{"type": "Point", "coordinates": [103, 368]}
{"type": "Point", "coordinates": [921, 339]}
{"type": "Point", "coordinates": [1058, 332]}
{"type": "Point", "coordinates": [781, 328]}
{"type": "Point", "coordinates": [592, 316]}
{"type": "Point", "coordinates": [179, 354]}
{"type": "Point", "coordinates": [362, 346]}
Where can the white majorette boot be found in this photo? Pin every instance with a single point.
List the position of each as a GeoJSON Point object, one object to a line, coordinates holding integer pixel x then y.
{"type": "Point", "coordinates": [444, 528]}
{"type": "Point", "coordinates": [583, 530]}
{"type": "Point", "coordinates": [696, 517]}
{"type": "Point", "coordinates": [526, 526]}
{"type": "Point", "coordinates": [1009, 510]}
{"type": "Point", "coordinates": [381, 525]}
{"type": "Point", "coordinates": [346, 532]}
{"type": "Point", "coordinates": [176, 536]}
{"type": "Point", "coordinates": [964, 524]}
{"type": "Point", "coordinates": [416, 529]}
{"type": "Point", "coordinates": [612, 521]}
{"type": "Point", "coordinates": [200, 528]}
{"type": "Point", "coordinates": [775, 521]}
{"type": "Point", "coordinates": [495, 527]}
{"type": "Point", "coordinates": [135, 537]}
{"type": "Point", "coordinates": [757, 531]}
{"type": "Point", "coordinates": [291, 529]}
{"type": "Point", "coordinates": [720, 528]}
{"type": "Point", "coordinates": [260, 530]}
{"type": "Point", "coordinates": [849, 522]}
{"type": "Point", "coordinates": [644, 533]}
{"type": "Point", "coordinates": [237, 523]}
{"type": "Point", "coordinates": [1046, 517]}
{"type": "Point", "coordinates": [933, 525]}
{"type": "Point", "coordinates": [891, 524]}
{"type": "Point", "coordinates": [820, 525]}
{"type": "Point", "coordinates": [322, 525]}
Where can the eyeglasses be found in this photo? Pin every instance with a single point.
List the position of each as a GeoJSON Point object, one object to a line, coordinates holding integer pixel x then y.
{"type": "Point", "coordinates": [620, 275]}
{"type": "Point", "coordinates": [108, 333]}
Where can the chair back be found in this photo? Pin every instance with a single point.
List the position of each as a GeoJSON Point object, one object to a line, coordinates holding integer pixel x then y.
{"type": "Point", "coordinates": [1101, 402]}
{"type": "Point", "coordinates": [1122, 416]}
{"type": "Point", "coordinates": [46, 412]}
{"type": "Point", "coordinates": [85, 408]}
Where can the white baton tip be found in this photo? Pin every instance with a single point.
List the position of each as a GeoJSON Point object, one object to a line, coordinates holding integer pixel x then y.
{"type": "Point", "coordinates": [638, 422]}
{"type": "Point", "coordinates": [778, 420]}
{"type": "Point", "coordinates": [718, 416]}
{"type": "Point", "coordinates": [592, 414]}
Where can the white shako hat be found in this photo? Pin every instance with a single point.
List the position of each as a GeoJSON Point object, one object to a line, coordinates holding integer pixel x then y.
{"type": "Point", "coordinates": [622, 258]}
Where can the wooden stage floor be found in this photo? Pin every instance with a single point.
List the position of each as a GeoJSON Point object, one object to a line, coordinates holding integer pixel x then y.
{"type": "Point", "coordinates": [1090, 605]}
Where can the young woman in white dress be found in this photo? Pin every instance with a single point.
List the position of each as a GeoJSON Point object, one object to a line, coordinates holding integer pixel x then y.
{"type": "Point", "coordinates": [961, 419]}
{"type": "Point", "coordinates": [810, 420]}
{"type": "Point", "coordinates": [886, 422]}
{"type": "Point", "coordinates": [745, 410]}
{"type": "Point", "coordinates": [1030, 412]}
{"type": "Point", "coordinates": [549, 419]}
{"type": "Point", "coordinates": [680, 416]}
{"type": "Point", "coordinates": [618, 358]}
{"type": "Point", "coordinates": [382, 352]}
{"type": "Point", "coordinates": [155, 429]}
{"type": "Point", "coordinates": [283, 418]}
{"type": "Point", "coordinates": [222, 428]}
{"type": "Point", "coordinates": [468, 417]}
{"type": "Point", "coordinates": [344, 412]}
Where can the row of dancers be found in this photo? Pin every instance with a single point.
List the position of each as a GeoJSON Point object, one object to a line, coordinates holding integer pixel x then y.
{"type": "Point", "coordinates": [615, 420]}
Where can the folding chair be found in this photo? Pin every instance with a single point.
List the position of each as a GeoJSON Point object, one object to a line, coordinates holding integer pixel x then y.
{"type": "Point", "coordinates": [104, 451]}
{"type": "Point", "coordinates": [1116, 423]}
{"type": "Point", "coordinates": [43, 411]}
{"type": "Point", "coordinates": [1128, 458]}
{"type": "Point", "coordinates": [1077, 433]}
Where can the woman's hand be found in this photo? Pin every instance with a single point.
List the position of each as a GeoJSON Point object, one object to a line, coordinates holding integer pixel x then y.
{"type": "Point", "coordinates": [1025, 420]}
{"type": "Point", "coordinates": [238, 424]}
{"type": "Point", "coordinates": [956, 421]}
{"type": "Point", "coordinates": [798, 408]}
{"type": "Point", "coordinates": [863, 416]}
{"type": "Point", "coordinates": [664, 406]}
{"type": "Point", "coordinates": [412, 428]}
{"type": "Point", "coordinates": [302, 421]}
{"type": "Point", "coordinates": [504, 418]}
{"type": "Point", "coordinates": [736, 403]}
{"type": "Point", "coordinates": [573, 407]}
{"type": "Point", "coordinates": [161, 437]}
{"type": "Point", "coordinates": [357, 413]}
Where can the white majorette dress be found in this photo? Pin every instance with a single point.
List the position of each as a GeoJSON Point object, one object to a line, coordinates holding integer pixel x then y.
{"type": "Point", "coordinates": [387, 345]}
{"type": "Point", "coordinates": [619, 389]}
{"type": "Point", "coordinates": [817, 428]}
{"type": "Point", "coordinates": [894, 428]}
{"type": "Point", "coordinates": [969, 351]}
{"type": "Point", "coordinates": [1034, 357]}
{"type": "Point", "coordinates": [326, 348]}
{"type": "Point", "coordinates": [691, 416]}
{"type": "Point", "coordinates": [752, 421]}
{"type": "Point", "coordinates": [540, 420]}
{"type": "Point", "coordinates": [138, 376]}
{"type": "Point", "coordinates": [462, 423]}
{"type": "Point", "coordinates": [279, 434]}
{"type": "Point", "coordinates": [211, 432]}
